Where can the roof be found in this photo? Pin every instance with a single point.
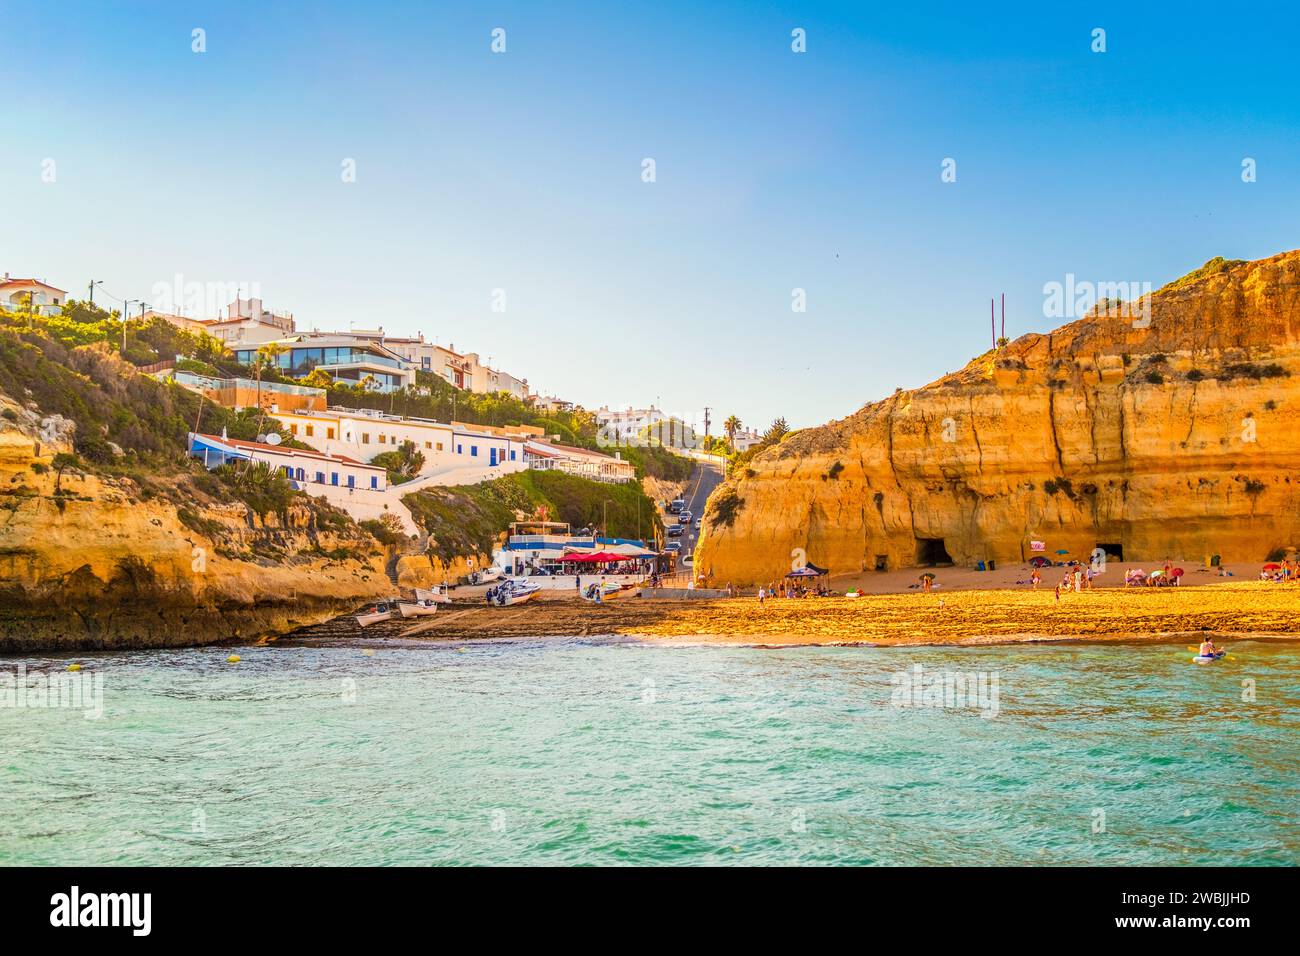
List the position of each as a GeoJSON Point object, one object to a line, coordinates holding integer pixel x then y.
{"type": "Point", "coordinates": [552, 450]}
{"type": "Point", "coordinates": [6, 283]}
{"type": "Point", "coordinates": [282, 450]}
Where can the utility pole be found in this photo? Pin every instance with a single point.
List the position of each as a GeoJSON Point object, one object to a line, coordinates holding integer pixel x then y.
{"type": "Point", "coordinates": [93, 283]}
{"type": "Point", "coordinates": [706, 420]}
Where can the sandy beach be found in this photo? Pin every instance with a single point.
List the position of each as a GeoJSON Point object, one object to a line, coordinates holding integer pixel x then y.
{"type": "Point", "coordinates": [957, 616]}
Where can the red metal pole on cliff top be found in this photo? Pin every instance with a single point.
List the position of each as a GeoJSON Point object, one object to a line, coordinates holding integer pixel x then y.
{"type": "Point", "coordinates": [1004, 315]}
{"type": "Point", "coordinates": [993, 325]}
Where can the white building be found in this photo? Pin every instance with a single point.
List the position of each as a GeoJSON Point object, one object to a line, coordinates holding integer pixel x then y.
{"type": "Point", "coordinates": [359, 489]}
{"type": "Point", "coordinates": [454, 453]}
{"type": "Point", "coordinates": [45, 299]}
{"type": "Point", "coordinates": [623, 426]}
{"type": "Point", "coordinates": [347, 359]}
{"type": "Point", "coordinates": [246, 324]}
{"type": "Point", "coordinates": [548, 456]}
{"type": "Point", "coordinates": [462, 370]}
{"type": "Point", "coordinates": [745, 439]}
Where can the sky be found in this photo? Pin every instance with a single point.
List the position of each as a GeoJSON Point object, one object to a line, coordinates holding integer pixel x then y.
{"type": "Point", "coordinates": [131, 158]}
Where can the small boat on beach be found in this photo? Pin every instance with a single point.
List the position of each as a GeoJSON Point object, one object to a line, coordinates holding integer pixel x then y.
{"type": "Point", "coordinates": [487, 575]}
{"type": "Point", "coordinates": [512, 592]}
{"type": "Point", "coordinates": [376, 614]}
{"type": "Point", "coordinates": [606, 590]}
{"type": "Point", "coordinates": [417, 609]}
{"type": "Point", "coordinates": [438, 595]}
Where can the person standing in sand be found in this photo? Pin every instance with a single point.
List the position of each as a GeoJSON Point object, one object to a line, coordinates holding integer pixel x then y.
{"type": "Point", "coordinates": [1035, 578]}
{"type": "Point", "coordinates": [762, 594]}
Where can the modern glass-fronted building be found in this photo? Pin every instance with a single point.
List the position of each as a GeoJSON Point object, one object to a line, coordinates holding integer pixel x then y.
{"type": "Point", "coordinates": [346, 360]}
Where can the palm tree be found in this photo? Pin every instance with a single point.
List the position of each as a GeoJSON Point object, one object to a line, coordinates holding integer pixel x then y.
{"type": "Point", "coordinates": [731, 426]}
{"type": "Point", "coordinates": [268, 356]}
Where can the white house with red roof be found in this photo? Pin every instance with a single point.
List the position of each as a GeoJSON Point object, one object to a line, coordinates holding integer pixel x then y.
{"type": "Point", "coordinates": [46, 298]}
{"type": "Point", "coordinates": [359, 489]}
{"type": "Point", "coordinates": [549, 456]}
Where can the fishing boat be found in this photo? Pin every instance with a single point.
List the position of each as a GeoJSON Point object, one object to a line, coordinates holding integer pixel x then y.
{"type": "Point", "coordinates": [438, 595]}
{"type": "Point", "coordinates": [376, 614]}
{"type": "Point", "coordinates": [417, 609]}
{"type": "Point", "coordinates": [605, 590]}
{"type": "Point", "coordinates": [487, 575]}
{"type": "Point", "coordinates": [512, 592]}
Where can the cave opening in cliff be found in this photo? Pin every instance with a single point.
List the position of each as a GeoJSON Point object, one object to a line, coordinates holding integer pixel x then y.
{"type": "Point", "coordinates": [1113, 552]}
{"type": "Point", "coordinates": [931, 552]}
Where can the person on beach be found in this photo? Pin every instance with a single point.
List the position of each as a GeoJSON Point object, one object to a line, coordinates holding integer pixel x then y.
{"type": "Point", "coordinates": [762, 594]}
{"type": "Point", "coordinates": [1035, 578]}
{"type": "Point", "coordinates": [1078, 581]}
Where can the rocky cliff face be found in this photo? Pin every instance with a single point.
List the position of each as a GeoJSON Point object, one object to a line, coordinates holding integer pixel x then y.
{"type": "Point", "coordinates": [85, 562]}
{"type": "Point", "coordinates": [1166, 433]}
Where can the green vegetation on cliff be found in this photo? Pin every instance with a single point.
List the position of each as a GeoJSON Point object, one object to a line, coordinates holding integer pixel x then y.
{"type": "Point", "coordinates": [130, 426]}
{"type": "Point", "coordinates": [466, 520]}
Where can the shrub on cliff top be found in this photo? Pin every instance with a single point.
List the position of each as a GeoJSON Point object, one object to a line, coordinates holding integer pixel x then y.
{"type": "Point", "coordinates": [1215, 266]}
{"type": "Point", "coordinates": [723, 507]}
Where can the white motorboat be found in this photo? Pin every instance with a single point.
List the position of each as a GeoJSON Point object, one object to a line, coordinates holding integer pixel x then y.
{"type": "Point", "coordinates": [438, 595]}
{"type": "Point", "coordinates": [417, 609]}
{"type": "Point", "coordinates": [376, 614]}
{"type": "Point", "coordinates": [487, 575]}
{"type": "Point", "coordinates": [605, 590]}
{"type": "Point", "coordinates": [512, 592]}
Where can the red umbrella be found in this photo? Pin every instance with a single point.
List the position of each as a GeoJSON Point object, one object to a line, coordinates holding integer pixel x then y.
{"type": "Point", "coordinates": [1272, 566]}
{"type": "Point", "coordinates": [1177, 572]}
{"type": "Point", "coordinates": [595, 557]}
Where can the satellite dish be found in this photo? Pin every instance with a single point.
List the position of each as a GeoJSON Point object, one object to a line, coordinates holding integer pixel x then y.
{"type": "Point", "coordinates": [273, 439]}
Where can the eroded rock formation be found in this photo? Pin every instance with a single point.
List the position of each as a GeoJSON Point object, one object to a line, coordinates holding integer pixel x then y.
{"type": "Point", "coordinates": [1170, 429]}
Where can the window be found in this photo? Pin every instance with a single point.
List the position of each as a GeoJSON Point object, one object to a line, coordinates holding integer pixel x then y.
{"type": "Point", "coordinates": [320, 477]}
{"type": "Point", "coordinates": [428, 444]}
{"type": "Point", "coordinates": [311, 430]}
{"type": "Point", "coordinates": [460, 449]}
{"type": "Point", "coordinates": [334, 477]}
{"type": "Point", "coordinates": [473, 451]}
{"type": "Point", "coordinates": [512, 454]}
{"type": "Point", "coordinates": [374, 481]}
{"type": "Point", "coordinates": [293, 429]}
{"type": "Point", "coordinates": [382, 439]}
{"type": "Point", "coordinates": [329, 433]}
{"type": "Point", "coordinates": [439, 446]}
{"type": "Point", "coordinates": [352, 481]}
{"type": "Point", "coordinates": [365, 438]}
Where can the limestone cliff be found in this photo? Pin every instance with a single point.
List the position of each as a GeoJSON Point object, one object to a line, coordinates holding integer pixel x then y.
{"type": "Point", "coordinates": [90, 562]}
{"type": "Point", "coordinates": [1167, 430]}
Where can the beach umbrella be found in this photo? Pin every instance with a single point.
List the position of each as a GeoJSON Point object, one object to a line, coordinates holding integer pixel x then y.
{"type": "Point", "coordinates": [927, 574]}
{"type": "Point", "coordinates": [1062, 551]}
{"type": "Point", "coordinates": [1177, 572]}
{"type": "Point", "coordinates": [1272, 566]}
{"type": "Point", "coordinates": [803, 573]}
{"type": "Point", "coordinates": [1039, 562]}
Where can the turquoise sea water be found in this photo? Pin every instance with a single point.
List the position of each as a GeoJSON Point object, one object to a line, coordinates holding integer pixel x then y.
{"type": "Point", "coordinates": [612, 752]}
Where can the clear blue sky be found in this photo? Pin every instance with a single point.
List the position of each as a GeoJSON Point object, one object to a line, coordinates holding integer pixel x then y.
{"type": "Point", "coordinates": [775, 170]}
